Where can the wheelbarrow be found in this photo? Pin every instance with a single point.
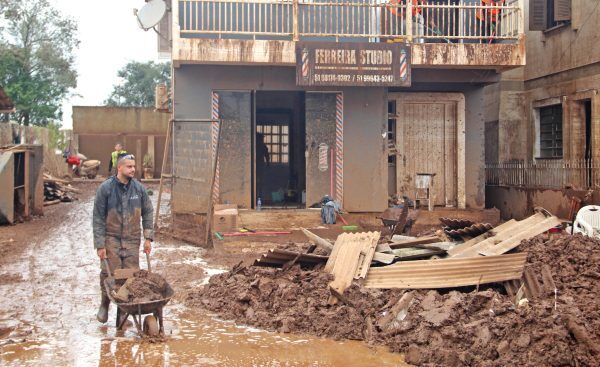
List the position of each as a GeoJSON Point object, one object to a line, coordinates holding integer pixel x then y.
{"type": "Point", "coordinates": [152, 324]}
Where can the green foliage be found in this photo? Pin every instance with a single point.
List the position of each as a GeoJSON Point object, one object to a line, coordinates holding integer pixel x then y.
{"type": "Point", "coordinates": [37, 46]}
{"type": "Point", "coordinates": [56, 137]}
{"type": "Point", "coordinates": [139, 80]}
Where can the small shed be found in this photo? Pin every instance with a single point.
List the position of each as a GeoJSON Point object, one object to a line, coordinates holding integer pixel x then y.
{"type": "Point", "coordinates": [22, 182]}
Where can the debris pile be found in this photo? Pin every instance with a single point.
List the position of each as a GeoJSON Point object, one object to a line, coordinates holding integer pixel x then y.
{"type": "Point", "coordinates": [512, 296]}
{"type": "Point", "coordinates": [57, 190]}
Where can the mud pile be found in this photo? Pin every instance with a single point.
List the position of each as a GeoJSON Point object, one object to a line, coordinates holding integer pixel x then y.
{"type": "Point", "coordinates": [290, 301]}
{"type": "Point", "coordinates": [145, 287]}
{"type": "Point", "coordinates": [451, 328]}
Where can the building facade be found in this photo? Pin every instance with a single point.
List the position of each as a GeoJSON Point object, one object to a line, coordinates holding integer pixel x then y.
{"type": "Point", "coordinates": [141, 131]}
{"type": "Point", "coordinates": [543, 120]}
{"type": "Point", "coordinates": [359, 139]}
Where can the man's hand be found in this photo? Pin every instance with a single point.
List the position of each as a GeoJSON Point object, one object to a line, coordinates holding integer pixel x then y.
{"type": "Point", "coordinates": [101, 253]}
{"type": "Point", "coordinates": [147, 246]}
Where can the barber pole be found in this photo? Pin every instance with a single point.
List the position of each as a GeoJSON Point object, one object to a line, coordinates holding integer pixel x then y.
{"type": "Point", "coordinates": [339, 148]}
{"type": "Point", "coordinates": [305, 64]}
{"type": "Point", "coordinates": [403, 65]}
{"type": "Point", "coordinates": [215, 136]}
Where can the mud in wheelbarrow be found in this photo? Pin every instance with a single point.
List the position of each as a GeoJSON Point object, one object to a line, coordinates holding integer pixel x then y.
{"type": "Point", "coordinates": [152, 324]}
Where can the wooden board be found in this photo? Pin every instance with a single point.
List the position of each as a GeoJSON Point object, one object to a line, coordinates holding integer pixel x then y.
{"type": "Point", "coordinates": [416, 241]}
{"type": "Point", "coordinates": [447, 273]}
{"type": "Point", "coordinates": [384, 258]}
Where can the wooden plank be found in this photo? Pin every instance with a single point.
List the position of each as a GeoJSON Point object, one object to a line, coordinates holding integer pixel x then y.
{"type": "Point", "coordinates": [516, 239]}
{"type": "Point", "coordinates": [162, 173]}
{"type": "Point", "coordinates": [384, 258]}
{"type": "Point", "coordinates": [447, 273]}
{"type": "Point", "coordinates": [417, 241]}
{"type": "Point", "coordinates": [387, 321]}
{"type": "Point", "coordinates": [466, 245]}
{"type": "Point", "coordinates": [413, 253]}
{"type": "Point", "coordinates": [321, 242]}
{"type": "Point", "coordinates": [383, 247]}
{"type": "Point", "coordinates": [501, 236]}
{"type": "Point", "coordinates": [27, 189]}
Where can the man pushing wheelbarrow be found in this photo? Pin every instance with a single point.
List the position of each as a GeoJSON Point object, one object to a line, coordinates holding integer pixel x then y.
{"type": "Point", "coordinates": [121, 201]}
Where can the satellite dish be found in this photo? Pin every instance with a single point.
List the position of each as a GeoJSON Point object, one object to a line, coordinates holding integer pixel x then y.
{"type": "Point", "coordinates": [151, 14]}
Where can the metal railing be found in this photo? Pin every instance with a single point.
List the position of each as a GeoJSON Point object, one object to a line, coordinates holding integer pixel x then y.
{"type": "Point", "coordinates": [547, 174]}
{"type": "Point", "coordinates": [370, 20]}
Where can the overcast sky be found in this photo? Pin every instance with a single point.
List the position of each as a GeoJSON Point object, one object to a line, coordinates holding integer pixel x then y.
{"type": "Point", "coordinates": [110, 37]}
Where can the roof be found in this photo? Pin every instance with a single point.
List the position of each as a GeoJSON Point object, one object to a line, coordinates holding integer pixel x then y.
{"type": "Point", "coordinates": [6, 105]}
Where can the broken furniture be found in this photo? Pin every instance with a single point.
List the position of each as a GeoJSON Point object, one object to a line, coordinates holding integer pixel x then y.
{"type": "Point", "coordinates": [424, 189]}
{"type": "Point", "coordinates": [587, 221]}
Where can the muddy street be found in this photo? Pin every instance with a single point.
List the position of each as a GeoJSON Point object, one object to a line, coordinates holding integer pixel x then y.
{"type": "Point", "coordinates": [49, 293]}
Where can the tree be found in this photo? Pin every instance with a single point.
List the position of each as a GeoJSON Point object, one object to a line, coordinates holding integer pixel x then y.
{"type": "Point", "coordinates": [37, 71]}
{"type": "Point", "coordinates": [138, 83]}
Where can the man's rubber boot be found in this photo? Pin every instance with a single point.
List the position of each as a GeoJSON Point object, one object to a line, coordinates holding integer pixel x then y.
{"type": "Point", "coordinates": [102, 314]}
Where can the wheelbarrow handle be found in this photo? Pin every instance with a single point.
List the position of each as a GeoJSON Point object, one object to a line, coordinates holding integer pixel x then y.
{"type": "Point", "coordinates": [107, 265]}
{"type": "Point", "coordinates": [148, 261]}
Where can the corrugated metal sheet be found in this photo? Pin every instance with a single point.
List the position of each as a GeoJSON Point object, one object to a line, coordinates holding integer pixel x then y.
{"type": "Point", "coordinates": [447, 273]}
{"type": "Point", "coordinates": [473, 230]}
{"type": "Point", "coordinates": [275, 258]}
{"type": "Point", "coordinates": [505, 237]}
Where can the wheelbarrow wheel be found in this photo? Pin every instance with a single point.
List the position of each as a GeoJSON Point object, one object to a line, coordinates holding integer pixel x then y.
{"type": "Point", "coordinates": [151, 326]}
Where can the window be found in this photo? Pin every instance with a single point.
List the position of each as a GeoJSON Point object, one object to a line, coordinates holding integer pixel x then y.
{"type": "Point", "coordinates": [551, 131]}
{"type": "Point", "coordinates": [276, 139]}
{"type": "Point", "coordinates": [548, 14]}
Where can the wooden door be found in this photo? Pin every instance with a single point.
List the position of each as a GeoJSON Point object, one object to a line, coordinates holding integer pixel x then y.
{"type": "Point", "coordinates": [426, 143]}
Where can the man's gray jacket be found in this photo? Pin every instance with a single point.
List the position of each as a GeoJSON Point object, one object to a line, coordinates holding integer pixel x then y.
{"type": "Point", "coordinates": [117, 212]}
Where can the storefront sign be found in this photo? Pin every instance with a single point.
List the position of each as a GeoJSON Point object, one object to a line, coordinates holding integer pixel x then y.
{"type": "Point", "coordinates": [352, 64]}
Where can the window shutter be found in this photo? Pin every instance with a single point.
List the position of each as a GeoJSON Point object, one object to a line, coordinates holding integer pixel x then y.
{"type": "Point", "coordinates": [538, 15]}
{"type": "Point", "coordinates": [562, 10]}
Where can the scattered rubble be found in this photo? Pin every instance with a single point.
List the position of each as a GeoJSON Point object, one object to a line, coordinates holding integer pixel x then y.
{"type": "Point", "coordinates": [57, 190]}
{"type": "Point", "coordinates": [479, 325]}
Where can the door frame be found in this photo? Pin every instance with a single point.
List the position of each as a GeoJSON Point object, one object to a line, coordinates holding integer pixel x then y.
{"type": "Point", "coordinates": [459, 100]}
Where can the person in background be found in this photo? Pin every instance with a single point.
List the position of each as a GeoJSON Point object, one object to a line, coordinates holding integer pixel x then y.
{"type": "Point", "coordinates": [114, 157]}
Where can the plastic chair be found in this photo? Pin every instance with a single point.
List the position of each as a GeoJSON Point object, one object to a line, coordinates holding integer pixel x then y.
{"type": "Point", "coordinates": [587, 221]}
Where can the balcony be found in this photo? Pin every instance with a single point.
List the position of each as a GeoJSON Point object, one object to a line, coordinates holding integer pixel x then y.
{"type": "Point", "coordinates": [442, 33]}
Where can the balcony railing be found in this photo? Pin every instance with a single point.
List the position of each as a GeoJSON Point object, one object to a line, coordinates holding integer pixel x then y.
{"type": "Point", "coordinates": [347, 20]}
{"type": "Point", "coordinates": [545, 174]}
